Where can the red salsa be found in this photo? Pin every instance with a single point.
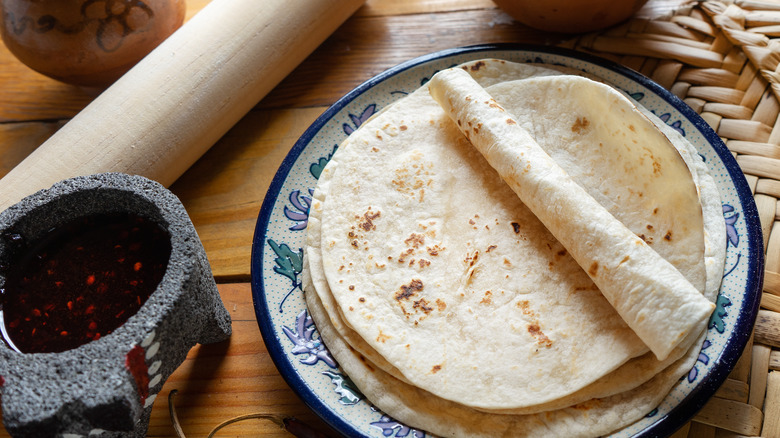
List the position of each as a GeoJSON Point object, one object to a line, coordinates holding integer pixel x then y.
{"type": "Point", "coordinates": [80, 281]}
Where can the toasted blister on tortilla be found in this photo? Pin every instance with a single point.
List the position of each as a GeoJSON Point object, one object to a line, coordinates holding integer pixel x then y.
{"type": "Point", "coordinates": [428, 270]}
{"type": "Point", "coordinates": [650, 294]}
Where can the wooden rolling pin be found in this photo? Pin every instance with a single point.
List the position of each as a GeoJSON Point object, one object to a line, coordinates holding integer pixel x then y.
{"type": "Point", "coordinates": [169, 109]}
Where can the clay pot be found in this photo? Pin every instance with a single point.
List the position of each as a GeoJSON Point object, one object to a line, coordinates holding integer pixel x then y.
{"type": "Point", "coordinates": [87, 42]}
{"type": "Point", "coordinates": [570, 16]}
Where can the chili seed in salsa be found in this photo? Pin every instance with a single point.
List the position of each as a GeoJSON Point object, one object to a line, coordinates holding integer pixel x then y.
{"type": "Point", "coordinates": [80, 281]}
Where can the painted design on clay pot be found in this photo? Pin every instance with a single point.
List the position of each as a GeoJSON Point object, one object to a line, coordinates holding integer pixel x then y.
{"type": "Point", "coordinates": [113, 20]}
{"type": "Point", "coordinates": [89, 42]}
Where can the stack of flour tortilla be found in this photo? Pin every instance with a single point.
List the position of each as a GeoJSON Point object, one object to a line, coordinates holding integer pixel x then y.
{"type": "Point", "coordinates": [514, 250]}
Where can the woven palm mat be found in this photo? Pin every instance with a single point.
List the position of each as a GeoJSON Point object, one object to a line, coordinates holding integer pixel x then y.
{"type": "Point", "coordinates": [722, 59]}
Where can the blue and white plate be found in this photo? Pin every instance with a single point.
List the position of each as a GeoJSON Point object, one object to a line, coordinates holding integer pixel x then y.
{"type": "Point", "coordinates": [277, 249]}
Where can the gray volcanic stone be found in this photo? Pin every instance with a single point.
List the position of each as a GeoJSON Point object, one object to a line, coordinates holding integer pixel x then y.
{"type": "Point", "coordinates": [106, 387]}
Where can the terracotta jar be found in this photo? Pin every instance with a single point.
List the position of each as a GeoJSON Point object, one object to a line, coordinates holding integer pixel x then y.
{"type": "Point", "coordinates": [87, 42]}
{"type": "Point", "coordinates": [570, 16]}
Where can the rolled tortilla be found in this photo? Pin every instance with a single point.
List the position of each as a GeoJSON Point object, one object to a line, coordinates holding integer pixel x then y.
{"type": "Point", "coordinates": [653, 297]}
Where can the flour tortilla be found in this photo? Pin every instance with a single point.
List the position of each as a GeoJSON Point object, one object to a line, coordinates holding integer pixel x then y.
{"type": "Point", "coordinates": [650, 294]}
{"type": "Point", "coordinates": [630, 375]}
{"type": "Point", "coordinates": [418, 408]}
{"type": "Point", "coordinates": [529, 368]}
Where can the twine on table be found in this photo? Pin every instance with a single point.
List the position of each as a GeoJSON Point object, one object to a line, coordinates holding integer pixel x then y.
{"type": "Point", "coordinates": [291, 425]}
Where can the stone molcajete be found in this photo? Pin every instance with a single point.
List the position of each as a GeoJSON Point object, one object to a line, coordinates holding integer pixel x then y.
{"type": "Point", "coordinates": [105, 287]}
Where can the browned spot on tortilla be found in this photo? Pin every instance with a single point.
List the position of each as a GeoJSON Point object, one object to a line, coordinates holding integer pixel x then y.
{"type": "Point", "coordinates": [368, 220]}
{"type": "Point", "coordinates": [491, 248]}
{"type": "Point", "coordinates": [415, 240]}
{"type": "Point", "coordinates": [477, 66]}
{"type": "Point", "coordinates": [423, 263]}
{"type": "Point", "coordinates": [594, 269]}
{"type": "Point", "coordinates": [362, 299]}
{"type": "Point", "coordinates": [649, 227]}
{"type": "Point", "coordinates": [351, 308]}
{"type": "Point", "coordinates": [403, 128]}
{"type": "Point", "coordinates": [471, 222]}
{"type": "Point", "coordinates": [510, 122]}
{"type": "Point", "coordinates": [588, 405]}
{"type": "Point", "coordinates": [507, 262]}
{"type": "Point", "coordinates": [402, 257]}
{"type": "Point", "coordinates": [407, 291]}
{"type": "Point", "coordinates": [516, 227]}
{"type": "Point", "coordinates": [434, 250]}
{"type": "Point", "coordinates": [472, 260]}
{"type": "Point", "coordinates": [525, 307]}
{"type": "Point", "coordinates": [631, 128]}
{"type": "Point", "coordinates": [424, 305]}
{"type": "Point", "coordinates": [668, 235]}
{"type": "Point", "coordinates": [351, 287]}
{"type": "Point", "coordinates": [580, 124]}
{"type": "Point", "coordinates": [625, 259]}
{"type": "Point", "coordinates": [537, 333]}
{"type": "Point", "coordinates": [441, 305]}
{"type": "Point", "coordinates": [655, 210]}
{"type": "Point", "coordinates": [486, 299]}
{"type": "Point", "coordinates": [366, 362]}
{"type": "Point", "coordinates": [382, 337]}
{"type": "Point", "coordinates": [656, 167]}
{"type": "Point", "coordinates": [435, 369]}
{"type": "Point", "coordinates": [493, 104]}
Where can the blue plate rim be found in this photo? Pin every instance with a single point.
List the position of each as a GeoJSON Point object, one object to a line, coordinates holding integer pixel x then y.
{"type": "Point", "coordinates": [691, 404]}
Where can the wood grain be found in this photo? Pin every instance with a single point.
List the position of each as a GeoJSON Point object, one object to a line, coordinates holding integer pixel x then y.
{"type": "Point", "coordinates": [767, 329]}
{"type": "Point", "coordinates": [374, 40]}
{"type": "Point", "coordinates": [366, 46]}
{"type": "Point", "coordinates": [212, 389]}
{"type": "Point", "coordinates": [175, 103]}
{"type": "Point", "coordinates": [224, 190]}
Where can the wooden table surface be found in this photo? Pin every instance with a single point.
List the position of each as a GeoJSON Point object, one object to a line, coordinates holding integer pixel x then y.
{"type": "Point", "coordinates": [224, 190]}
